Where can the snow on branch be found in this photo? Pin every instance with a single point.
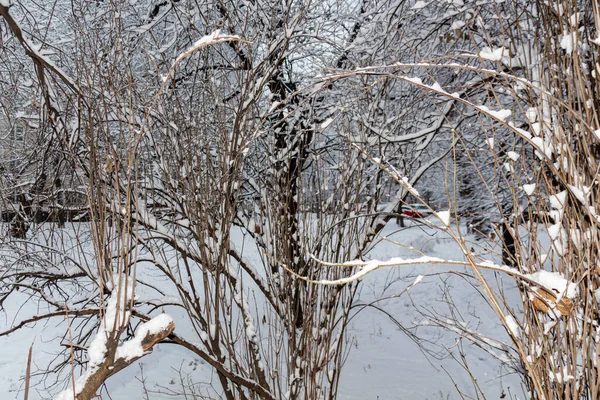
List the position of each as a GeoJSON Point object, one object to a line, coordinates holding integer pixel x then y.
{"type": "Point", "coordinates": [561, 290]}
{"type": "Point", "coordinates": [205, 41]}
{"type": "Point", "coordinates": [106, 359]}
{"type": "Point", "coordinates": [544, 149]}
{"type": "Point", "coordinates": [32, 50]}
{"type": "Point", "coordinates": [105, 356]}
{"type": "Point", "coordinates": [550, 292]}
{"type": "Point", "coordinates": [393, 70]}
{"type": "Point", "coordinates": [145, 338]}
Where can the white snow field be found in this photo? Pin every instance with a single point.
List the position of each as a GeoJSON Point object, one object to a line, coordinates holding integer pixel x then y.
{"type": "Point", "coordinates": [396, 352]}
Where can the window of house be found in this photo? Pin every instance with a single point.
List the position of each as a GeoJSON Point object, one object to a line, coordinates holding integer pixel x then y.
{"type": "Point", "coordinates": [19, 132]}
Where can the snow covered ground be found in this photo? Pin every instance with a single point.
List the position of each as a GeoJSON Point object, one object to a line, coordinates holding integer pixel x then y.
{"type": "Point", "coordinates": [388, 363]}
{"type": "Point", "coordinates": [394, 352]}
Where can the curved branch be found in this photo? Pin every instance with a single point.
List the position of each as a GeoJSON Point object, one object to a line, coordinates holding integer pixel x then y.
{"type": "Point", "coordinates": [222, 369]}
{"type": "Point", "coordinates": [37, 318]}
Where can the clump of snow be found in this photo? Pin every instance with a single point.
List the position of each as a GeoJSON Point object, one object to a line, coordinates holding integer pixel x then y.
{"type": "Point", "coordinates": [568, 40]}
{"type": "Point", "coordinates": [436, 86]}
{"type": "Point", "coordinates": [531, 114]}
{"type": "Point", "coordinates": [444, 216]}
{"type": "Point", "coordinates": [207, 38]}
{"type": "Point", "coordinates": [419, 5]}
{"type": "Point", "coordinates": [501, 114]}
{"type": "Point", "coordinates": [554, 231]}
{"type": "Point", "coordinates": [559, 200]}
{"type": "Point", "coordinates": [529, 189]}
{"type": "Point", "coordinates": [513, 156]}
{"type": "Point", "coordinates": [326, 123]}
{"type": "Point", "coordinates": [417, 280]}
{"type": "Point", "coordinates": [561, 377]}
{"type": "Point", "coordinates": [274, 105]}
{"type": "Point", "coordinates": [576, 237]}
{"type": "Point", "coordinates": [554, 283]}
{"type": "Point", "coordinates": [490, 142]}
{"type": "Point", "coordinates": [213, 37]}
{"type": "Point", "coordinates": [512, 325]}
{"type": "Point", "coordinates": [5, 3]}
{"type": "Point", "coordinates": [164, 300]}
{"type": "Point", "coordinates": [493, 54]}
{"type": "Point", "coordinates": [521, 132]}
{"type": "Point", "coordinates": [548, 326]}
{"type": "Point", "coordinates": [457, 24]}
{"type": "Point", "coordinates": [580, 194]}
{"type": "Point", "coordinates": [542, 147]}
{"type": "Point", "coordinates": [133, 348]}
{"type": "Point", "coordinates": [574, 19]}
{"type": "Point", "coordinates": [204, 336]}
{"type": "Point", "coordinates": [367, 268]}
{"type": "Point", "coordinates": [418, 81]}
{"type": "Point", "coordinates": [409, 187]}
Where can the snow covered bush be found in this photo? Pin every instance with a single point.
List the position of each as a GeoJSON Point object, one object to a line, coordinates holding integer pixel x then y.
{"type": "Point", "coordinates": [298, 130]}
{"type": "Point", "coordinates": [191, 144]}
{"type": "Point", "coordinates": [538, 116]}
